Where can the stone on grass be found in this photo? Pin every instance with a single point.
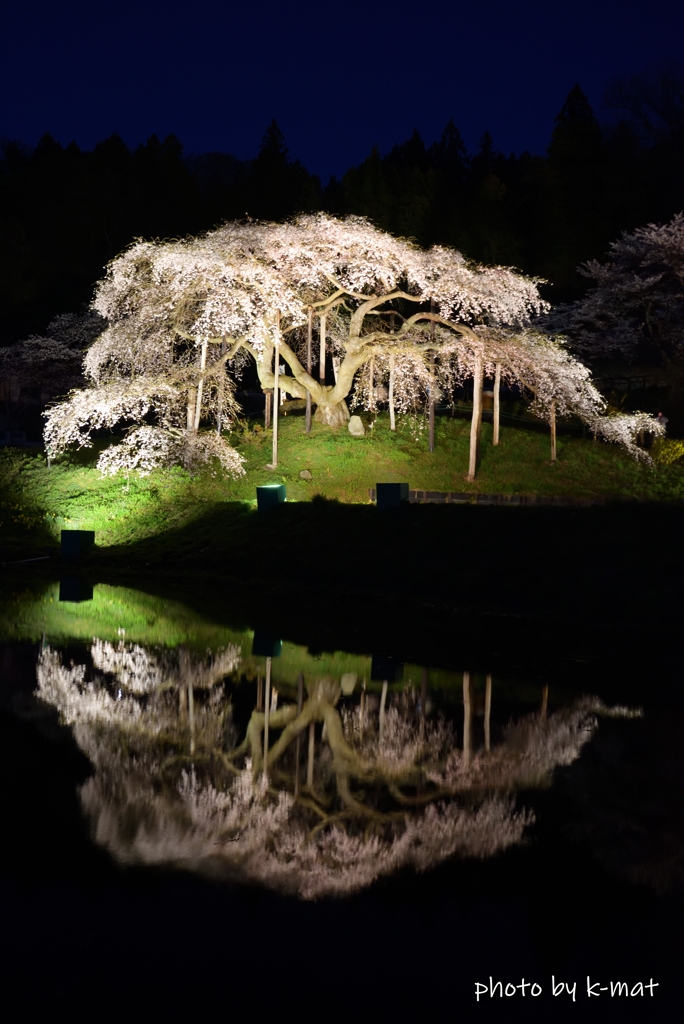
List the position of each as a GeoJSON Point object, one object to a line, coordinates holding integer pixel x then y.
{"type": "Point", "coordinates": [356, 427]}
{"type": "Point", "coordinates": [305, 475]}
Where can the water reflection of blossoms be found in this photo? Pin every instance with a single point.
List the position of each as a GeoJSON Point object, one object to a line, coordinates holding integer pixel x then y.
{"type": "Point", "coordinates": [348, 795]}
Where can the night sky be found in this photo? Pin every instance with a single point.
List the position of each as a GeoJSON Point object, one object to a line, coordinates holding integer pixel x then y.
{"type": "Point", "coordinates": [339, 78]}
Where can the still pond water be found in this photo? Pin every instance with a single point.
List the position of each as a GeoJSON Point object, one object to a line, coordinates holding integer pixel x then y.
{"type": "Point", "coordinates": [194, 807]}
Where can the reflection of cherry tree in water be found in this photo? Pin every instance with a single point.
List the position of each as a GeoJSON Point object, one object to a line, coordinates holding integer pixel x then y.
{"type": "Point", "coordinates": [171, 787]}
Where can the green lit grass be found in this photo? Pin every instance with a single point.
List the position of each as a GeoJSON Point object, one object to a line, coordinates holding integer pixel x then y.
{"type": "Point", "coordinates": [36, 503]}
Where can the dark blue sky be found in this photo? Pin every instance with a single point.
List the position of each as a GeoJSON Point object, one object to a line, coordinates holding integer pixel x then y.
{"type": "Point", "coordinates": [339, 78]}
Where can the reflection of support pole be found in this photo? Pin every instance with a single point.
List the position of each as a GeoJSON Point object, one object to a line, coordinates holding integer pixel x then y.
{"type": "Point", "coordinates": [298, 744]}
{"type": "Point", "coordinates": [544, 703]}
{"type": "Point", "coordinates": [267, 711]}
{"type": "Point", "coordinates": [552, 424]}
{"type": "Point", "coordinates": [276, 385]}
{"type": "Point", "coordinates": [497, 403]}
{"type": "Point", "coordinates": [383, 700]}
{"type": "Point", "coordinates": [488, 710]}
{"type": "Point", "coordinates": [476, 422]}
{"type": "Point", "coordinates": [467, 720]}
{"type": "Point", "coordinates": [191, 716]}
{"type": "Point", "coordinates": [321, 357]}
{"type": "Point", "coordinates": [310, 762]}
{"type": "Point", "coordinates": [182, 704]}
{"type": "Point", "coordinates": [423, 702]}
{"type": "Point", "coordinates": [431, 413]}
{"type": "Point", "coordinates": [309, 338]}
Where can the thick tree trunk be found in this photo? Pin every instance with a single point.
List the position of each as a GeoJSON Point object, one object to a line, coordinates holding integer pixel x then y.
{"type": "Point", "coordinates": [497, 403]}
{"type": "Point", "coordinates": [476, 422]}
{"type": "Point", "coordinates": [332, 415]}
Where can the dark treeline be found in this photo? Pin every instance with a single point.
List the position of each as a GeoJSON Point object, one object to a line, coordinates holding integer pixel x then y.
{"type": "Point", "coordinates": [65, 213]}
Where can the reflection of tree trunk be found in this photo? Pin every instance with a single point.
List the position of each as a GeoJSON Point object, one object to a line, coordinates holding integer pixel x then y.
{"type": "Point", "coordinates": [467, 720]}
{"type": "Point", "coordinates": [310, 761]}
{"type": "Point", "coordinates": [309, 338]}
{"type": "Point", "coordinates": [497, 403]}
{"type": "Point", "coordinates": [383, 700]}
{"type": "Point", "coordinates": [544, 703]}
{"type": "Point", "coordinates": [267, 711]}
{"type": "Point", "coordinates": [423, 701]}
{"type": "Point", "coordinates": [300, 701]}
{"type": "Point", "coordinates": [362, 709]}
{"type": "Point", "coordinates": [488, 711]}
{"type": "Point", "coordinates": [476, 422]}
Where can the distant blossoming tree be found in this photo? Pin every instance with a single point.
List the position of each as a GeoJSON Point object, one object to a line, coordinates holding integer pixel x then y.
{"type": "Point", "coordinates": [636, 305]}
{"type": "Point", "coordinates": [172, 786]}
{"type": "Point", "coordinates": [181, 312]}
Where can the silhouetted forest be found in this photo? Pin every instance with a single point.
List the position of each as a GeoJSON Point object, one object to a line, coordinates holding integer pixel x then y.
{"type": "Point", "coordinates": [65, 213]}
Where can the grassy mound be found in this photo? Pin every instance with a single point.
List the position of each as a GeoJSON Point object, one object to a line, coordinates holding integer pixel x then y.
{"type": "Point", "coordinates": [37, 502]}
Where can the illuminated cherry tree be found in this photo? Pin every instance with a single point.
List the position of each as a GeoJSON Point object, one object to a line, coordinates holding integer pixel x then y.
{"type": "Point", "coordinates": [172, 785]}
{"type": "Point", "coordinates": [183, 314]}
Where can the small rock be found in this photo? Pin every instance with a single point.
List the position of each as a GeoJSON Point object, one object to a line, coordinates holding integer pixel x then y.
{"type": "Point", "coordinates": [305, 475]}
{"type": "Point", "coordinates": [356, 427]}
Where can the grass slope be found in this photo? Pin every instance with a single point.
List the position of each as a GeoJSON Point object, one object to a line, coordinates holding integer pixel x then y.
{"type": "Point", "coordinates": [35, 503]}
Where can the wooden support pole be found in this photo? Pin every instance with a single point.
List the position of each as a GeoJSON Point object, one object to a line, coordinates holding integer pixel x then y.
{"type": "Point", "coordinates": [309, 339]}
{"type": "Point", "coordinates": [552, 424]}
{"type": "Point", "coordinates": [200, 386]}
{"type": "Point", "coordinates": [321, 356]}
{"type": "Point", "coordinates": [488, 711]}
{"type": "Point", "coordinates": [260, 693]}
{"type": "Point", "coordinates": [476, 421]}
{"type": "Point", "coordinates": [267, 711]}
{"type": "Point", "coordinates": [267, 410]}
{"type": "Point", "coordinates": [431, 409]}
{"type": "Point", "coordinates": [221, 386]}
{"type": "Point", "coordinates": [276, 387]}
{"type": "Point", "coordinates": [393, 425]}
{"type": "Point", "coordinates": [497, 403]}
